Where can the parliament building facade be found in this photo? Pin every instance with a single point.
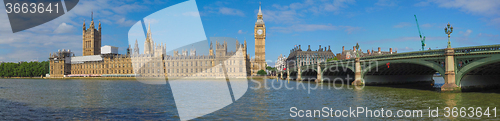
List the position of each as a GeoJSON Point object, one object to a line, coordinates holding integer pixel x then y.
{"type": "Point", "coordinates": [105, 61]}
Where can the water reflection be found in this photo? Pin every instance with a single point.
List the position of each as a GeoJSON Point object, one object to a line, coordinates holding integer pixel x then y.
{"type": "Point", "coordinates": [262, 97]}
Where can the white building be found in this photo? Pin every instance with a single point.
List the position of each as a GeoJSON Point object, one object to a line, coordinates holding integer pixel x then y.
{"type": "Point", "coordinates": [106, 49]}
{"type": "Point", "coordinates": [280, 63]}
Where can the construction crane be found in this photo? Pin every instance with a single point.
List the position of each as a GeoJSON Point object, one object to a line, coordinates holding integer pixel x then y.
{"type": "Point", "coordinates": [421, 39]}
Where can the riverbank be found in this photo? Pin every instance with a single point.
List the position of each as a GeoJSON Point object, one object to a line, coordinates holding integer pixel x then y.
{"type": "Point", "coordinates": [22, 77]}
{"type": "Point", "coordinates": [94, 78]}
{"type": "Point", "coordinates": [131, 78]}
{"type": "Point", "coordinates": [262, 77]}
{"type": "Point", "coordinates": [147, 78]}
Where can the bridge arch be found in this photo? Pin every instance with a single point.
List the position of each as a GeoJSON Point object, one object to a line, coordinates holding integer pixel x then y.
{"type": "Point", "coordinates": [482, 72]}
{"type": "Point", "coordinates": [400, 71]}
{"type": "Point", "coordinates": [338, 73]}
{"type": "Point", "coordinates": [285, 75]}
{"type": "Point", "coordinates": [309, 74]}
{"type": "Point", "coordinates": [293, 74]}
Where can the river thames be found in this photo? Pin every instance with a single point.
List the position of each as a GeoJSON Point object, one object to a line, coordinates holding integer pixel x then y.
{"type": "Point", "coordinates": [41, 99]}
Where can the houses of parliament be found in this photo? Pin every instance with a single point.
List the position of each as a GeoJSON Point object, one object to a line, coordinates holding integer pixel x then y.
{"type": "Point", "coordinates": [104, 61]}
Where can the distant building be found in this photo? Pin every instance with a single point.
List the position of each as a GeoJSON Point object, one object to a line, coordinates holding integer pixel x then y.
{"type": "Point", "coordinates": [280, 63]}
{"type": "Point", "coordinates": [352, 53]}
{"type": "Point", "coordinates": [94, 62]}
{"type": "Point", "coordinates": [308, 57]}
{"type": "Point", "coordinates": [188, 64]}
{"type": "Point", "coordinates": [153, 62]}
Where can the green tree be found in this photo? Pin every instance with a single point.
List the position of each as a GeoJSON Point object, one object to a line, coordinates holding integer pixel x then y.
{"type": "Point", "coordinates": [24, 69]}
{"type": "Point", "coordinates": [331, 59]}
{"type": "Point", "coordinates": [269, 68]}
{"type": "Point", "coordinates": [272, 69]}
{"type": "Point", "coordinates": [261, 72]}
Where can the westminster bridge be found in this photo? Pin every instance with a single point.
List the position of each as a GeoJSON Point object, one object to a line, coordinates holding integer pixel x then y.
{"type": "Point", "coordinates": [461, 68]}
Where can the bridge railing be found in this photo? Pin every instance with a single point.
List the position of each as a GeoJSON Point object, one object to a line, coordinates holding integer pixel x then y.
{"type": "Point", "coordinates": [419, 53]}
{"type": "Point", "coordinates": [477, 48]}
{"type": "Point", "coordinates": [438, 51]}
{"type": "Point", "coordinates": [415, 53]}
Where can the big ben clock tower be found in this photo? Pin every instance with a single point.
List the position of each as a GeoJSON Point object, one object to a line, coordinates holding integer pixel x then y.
{"type": "Point", "coordinates": [260, 44]}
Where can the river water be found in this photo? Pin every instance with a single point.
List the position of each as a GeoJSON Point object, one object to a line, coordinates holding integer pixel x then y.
{"type": "Point", "coordinates": [40, 99]}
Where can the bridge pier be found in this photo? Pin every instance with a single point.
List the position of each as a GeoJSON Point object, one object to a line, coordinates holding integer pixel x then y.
{"type": "Point", "coordinates": [287, 73]}
{"type": "Point", "coordinates": [319, 76]}
{"type": "Point", "coordinates": [357, 73]}
{"type": "Point", "coordinates": [449, 76]}
{"type": "Point", "coordinates": [299, 73]}
{"type": "Point", "coordinates": [281, 75]}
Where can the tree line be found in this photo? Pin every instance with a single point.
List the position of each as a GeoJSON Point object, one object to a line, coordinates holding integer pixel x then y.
{"type": "Point", "coordinates": [24, 69]}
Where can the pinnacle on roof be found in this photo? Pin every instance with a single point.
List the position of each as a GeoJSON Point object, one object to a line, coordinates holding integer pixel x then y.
{"type": "Point", "coordinates": [260, 11]}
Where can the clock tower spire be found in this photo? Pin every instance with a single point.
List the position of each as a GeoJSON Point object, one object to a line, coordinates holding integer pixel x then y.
{"type": "Point", "coordinates": [259, 63]}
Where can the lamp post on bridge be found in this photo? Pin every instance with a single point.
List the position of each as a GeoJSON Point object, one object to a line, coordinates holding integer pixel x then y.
{"type": "Point", "coordinates": [357, 50]}
{"type": "Point", "coordinates": [449, 75]}
{"type": "Point", "coordinates": [357, 69]}
{"type": "Point", "coordinates": [448, 30]}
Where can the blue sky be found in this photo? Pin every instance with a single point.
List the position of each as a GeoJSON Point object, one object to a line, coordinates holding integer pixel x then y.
{"type": "Point", "coordinates": [377, 23]}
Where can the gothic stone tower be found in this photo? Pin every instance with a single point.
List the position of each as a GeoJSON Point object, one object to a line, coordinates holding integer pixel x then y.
{"type": "Point", "coordinates": [149, 44]}
{"type": "Point", "coordinates": [221, 49]}
{"type": "Point", "coordinates": [91, 39]}
{"type": "Point", "coordinates": [260, 43]}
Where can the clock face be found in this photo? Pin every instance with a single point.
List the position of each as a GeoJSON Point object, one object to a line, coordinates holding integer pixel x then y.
{"type": "Point", "coordinates": [259, 31]}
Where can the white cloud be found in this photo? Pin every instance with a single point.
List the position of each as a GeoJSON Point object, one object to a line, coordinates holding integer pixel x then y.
{"type": "Point", "coordinates": [466, 33]}
{"type": "Point", "coordinates": [336, 5]}
{"type": "Point", "coordinates": [293, 13]}
{"type": "Point", "coordinates": [314, 27]}
{"type": "Point", "coordinates": [27, 45]}
{"type": "Point", "coordinates": [495, 21]}
{"type": "Point", "coordinates": [422, 4]}
{"type": "Point", "coordinates": [386, 3]}
{"type": "Point", "coordinates": [350, 29]}
{"type": "Point", "coordinates": [224, 10]}
{"type": "Point", "coordinates": [150, 21]}
{"type": "Point", "coordinates": [304, 27]}
{"type": "Point", "coordinates": [287, 16]}
{"type": "Point", "coordinates": [126, 8]}
{"type": "Point", "coordinates": [241, 32]}
{"type": "Point", "coordinates": [108, 11]}
{"type": "Point", "coordinates": [402, 25]}
{"type": "Point", "coordinates": [4, 22]}
{"type": "Point", "coordinates": [279, 7]}
{"type": "Point", "coordinates": [487, 35]}
{"type": "Point", "coordinates": [64, 28]}
{"type": "Point", "coordinates": [426, 25]}
{"type": "Point", "coordinates": [230, 11]}
{"type": "Point", "coordinates": [382, 4]}
{"type": "Point", "coordinates": [481, 7]}
{"type": "Point", "coordinates": [39, 41]}
{"type": "Point", "coordinates": [404, 49]}
{"type": "Point", "coordinates": [124, 22]}
{"type": "Point", "coordinates": [406, 39]}
{"type": "Point", "coordinates": [490, 9]}
{"type": "Point", "coordinates": [192, 14]}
